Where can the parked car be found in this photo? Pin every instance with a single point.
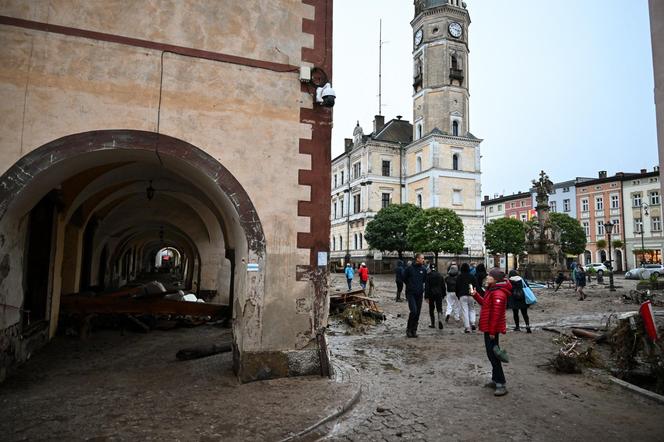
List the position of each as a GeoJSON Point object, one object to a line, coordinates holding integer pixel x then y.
{"type": "Point", "coordinates": [598, 266]}
{"type": "Point", "coordinates": [645, 271]}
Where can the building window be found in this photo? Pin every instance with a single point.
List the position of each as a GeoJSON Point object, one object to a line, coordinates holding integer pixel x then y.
{"type": "Point", "coordinates": [524, 217]}
{"type": "Point", "coordinates": [616, 226]}
{"type": "Point", "coordinates": [418, 164]}
{"type": "Point", "coordinates": [386, 168]}
{"type": "Point", "coordinates": [600, 228]}
{"type": "Point", "coordinates": [456, 197]}
{"type": "Point", "coordinates": [356, 203]}
{"type": "Point", "coordinates": [636, 200]}
{"type": "Point", "coordinates": [566, 206]}
{"type": "Point", "coordinates": [522, 203]}
{"type": "Point", "coordinates": [419, 200]}
{"type": "Point", "coordinates": [500, 207]}
{"type": "Point", "coordinates": [553, 206]}
{"type": "Point", "coordinates": [342, 177]}
{"type": "Point", "coordinates": [586, 227]}
{"type": "Point", "coordinates": [584, 205]}
{"type": "Point", "coordinates": [654, 197]}
{"type": "Point", "coordinates": [355, 241]}
{"type": "Point", "coordinates": [335, 180]}
{"type": "Point", "coordinates": [638, 225]}
{"type": "Point", "coordinates": [565, 189]}
{"type": "Point", "coordinates": [615, 202]}
{"type": "Point", "coordinates": [512, 205]}
{"type": "Point", "coordinates": [455, 162]}
{"type": "Point", "coordinates": [341, 204]}
{"type": "Point", "coordinates": [455, 128]}
{"type": "Point", "coordinates": [418, 131]}
{"type": "Point", "coordinates": [491, 209]}
{"type": "Point", "coordinates": [357, 170]}
{"type": "Point", "coordinates": [334, 243]}
{"type": "Point", "coordinates": [334, 209]}
{"type": "Point", "coordinates": [361, 246]}
{"type": "Point", "coordinates": [656, 224]}
{"type": "Point", "coordinates": [599, 203]}
{"type": "Point", "coordinates": [385, 200]}
{"type": "Point", "coordinates": [341, 242]}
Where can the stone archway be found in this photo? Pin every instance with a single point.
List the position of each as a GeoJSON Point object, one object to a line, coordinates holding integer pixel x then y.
{"type": "Point", "coordinates": [42, 170]}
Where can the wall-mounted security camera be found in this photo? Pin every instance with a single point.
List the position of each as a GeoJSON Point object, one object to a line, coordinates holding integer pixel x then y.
{"type": "Point", "coordinates": [325, 95]}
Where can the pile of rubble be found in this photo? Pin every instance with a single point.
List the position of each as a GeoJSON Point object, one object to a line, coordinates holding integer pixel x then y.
{"type": "Point", "coordinates": [356, 309]}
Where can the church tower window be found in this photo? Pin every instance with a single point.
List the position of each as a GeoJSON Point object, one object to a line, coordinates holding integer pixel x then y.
{"type": "Point", "coordinates": [455, 128]}
{"type": "Point", "coordinates": [455, 161]}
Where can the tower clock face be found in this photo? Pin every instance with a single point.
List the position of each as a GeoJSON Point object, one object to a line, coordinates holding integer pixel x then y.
{"type": "Point", "coordinates": [455, 30]}
{"type": "Point", "coordinates": [418, 37]}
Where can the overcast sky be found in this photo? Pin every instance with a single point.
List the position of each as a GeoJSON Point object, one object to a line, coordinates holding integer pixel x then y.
{"type": "Point", "coordinates": [562, 86]}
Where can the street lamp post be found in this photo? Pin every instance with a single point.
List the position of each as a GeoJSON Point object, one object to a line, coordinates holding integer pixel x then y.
{"type": "Point", "coordinates": [608, 227]}
{"type": "Point", "coordinates": [643, 207]}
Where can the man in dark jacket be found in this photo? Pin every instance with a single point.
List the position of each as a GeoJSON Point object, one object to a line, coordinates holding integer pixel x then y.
{"type": "Point", "coordinates": [398, 277]}
{"type": "Point", "coordinates": [435, 292]}
{"type": "Point", "coordinates": [415, 278]}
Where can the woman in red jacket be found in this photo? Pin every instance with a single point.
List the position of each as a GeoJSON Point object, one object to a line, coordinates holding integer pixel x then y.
{"type": "Point", "coordinates": [493, 323]}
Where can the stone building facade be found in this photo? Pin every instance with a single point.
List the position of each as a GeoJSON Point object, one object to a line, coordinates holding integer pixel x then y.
{"type": "Point", "coordinates": [441, 166]}
{"type": "Point", "coordinates": [598, 201]}
{"type": "Point", "coordinates": [643, 238]}
{"type": "Point", "coordinates": [103, 101]}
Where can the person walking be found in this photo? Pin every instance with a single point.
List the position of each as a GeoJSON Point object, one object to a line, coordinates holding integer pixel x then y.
{"type": "Point", "coordinates": [493, 323]}
{"type": "Point", "coordinates": [364, 275]}
{"type": "Point", "coordinates": [350, 274]}
{"type": "Point", "coordinates": [464, 287]}
{"type": "Point", "coordinates": [574, 267]}
{"type": "Point", "coordinates": [517, 302]}
{"type": "Point", "coordinates": [453, 306]}
{"type": "Point", "coordinates": [414, 278]}
{"type": "Point", "coordinates": [580, 282]}
{"type": "Point", "coordinates": [398, 277]}
{"type": "Point", "coordinates": [434, 293]}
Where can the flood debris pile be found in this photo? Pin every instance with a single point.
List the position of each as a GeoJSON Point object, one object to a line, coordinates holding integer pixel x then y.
{"type": "Point", "coordinates": [355, 309]}
{"type": "Point", "coordinates": [139, 308]}
{"type": "Point", "coordinates": [637, 357]}
{"type": "Point", "coordinates": [572, 357]}
{"type": "Point", "coordinates": [640, 296]}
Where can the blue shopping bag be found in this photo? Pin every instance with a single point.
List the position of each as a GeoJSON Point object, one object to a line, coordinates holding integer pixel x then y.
{"type": "Point", "coordinates": [530, 296]}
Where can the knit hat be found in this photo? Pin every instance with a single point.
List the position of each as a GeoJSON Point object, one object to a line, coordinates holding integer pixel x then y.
{"type": "Point", "coordinates": [497, 274]}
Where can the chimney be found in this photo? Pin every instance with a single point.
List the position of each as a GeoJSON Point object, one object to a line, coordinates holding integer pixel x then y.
{"type": "Point", "coordinates": [399, 117]}
{"type": "Point", "coordinates": [602, 173]}
{"type": "Point", "coordinates": [379, 123]}
{"type": "Point", "coordinates": [348, 144]}
{"type": "Point", "coordinates": [655, 169]}
{"type": "Point", "coordinates": [486, 197]}
{"type": "Point", "coordinates": [644, 170]}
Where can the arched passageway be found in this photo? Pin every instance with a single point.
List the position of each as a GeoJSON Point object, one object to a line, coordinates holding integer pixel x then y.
{"type": "Point", "coordinates": [93, 211]}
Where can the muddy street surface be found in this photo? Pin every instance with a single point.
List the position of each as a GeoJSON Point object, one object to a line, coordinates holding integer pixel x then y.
{"type": "Point", "coordinates": [131, 388]}
{"type": "Point", "coordinates": [431, 388]}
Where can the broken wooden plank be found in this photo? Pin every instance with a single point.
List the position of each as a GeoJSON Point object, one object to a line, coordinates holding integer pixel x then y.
{"type": "Point", "coordinates": [202, 351]}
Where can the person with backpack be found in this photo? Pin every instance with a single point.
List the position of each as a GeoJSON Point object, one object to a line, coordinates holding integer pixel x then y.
{"type": "Point", "coordinates": [493, 323]}
{"type": "Point", "coordinates": [464, 287]}
{"type": "Point", "coordinates": [580, 282]}
{"type": "Point", "coordinates": [349, 275]}
{"type": "Point", "coordinates": [364, 275]}
{"type": "Point", "coordinates": [517, 302]}
{"type": "Point", "coordinates": [453, 307]}
{"type": "Point", "coordinates": [398, 278]}
{"type": "Point", "coordinates": [434, 293]}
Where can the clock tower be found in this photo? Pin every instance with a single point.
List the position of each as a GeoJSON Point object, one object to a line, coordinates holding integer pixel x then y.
{"type": "Point", "coordinates": [440, 67]}
{"type": "Point", "coordinates": [443, 162]}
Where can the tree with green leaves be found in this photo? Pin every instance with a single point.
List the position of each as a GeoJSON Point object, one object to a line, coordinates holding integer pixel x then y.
{"type": "Point", "coordinates": [572, 237]}
{"type": "Point", "coordinates": [387, 231]}
{"type": "Point", "coordinates": [436, 230]}
{"type": "Point", "coordinates": [505, 235]}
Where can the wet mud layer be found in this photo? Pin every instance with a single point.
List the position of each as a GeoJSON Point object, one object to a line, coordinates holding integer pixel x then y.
{"type": "Point", "coordinates": [131, 387]}
{"type": "Point", "coordinates": [431, 388]}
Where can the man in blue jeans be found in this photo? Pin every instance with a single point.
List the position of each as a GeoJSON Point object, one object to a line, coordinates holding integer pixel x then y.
{"type": "Point", "coordinates": [414, 277]}
{"type": "Point", "coordinates": [349, 275]}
